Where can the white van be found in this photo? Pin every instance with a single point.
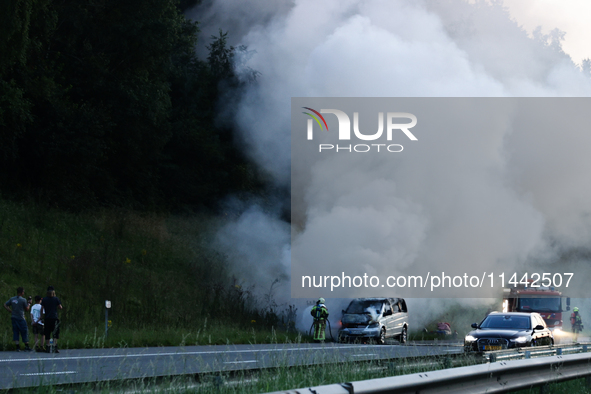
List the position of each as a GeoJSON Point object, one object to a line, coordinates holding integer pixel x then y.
{"type": "Point", "coordinates": [376, 319]}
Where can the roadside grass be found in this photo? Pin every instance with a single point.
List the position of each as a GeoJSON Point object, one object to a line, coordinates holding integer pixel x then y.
{"type": "Point", "coordinates": [577, 386]}
{"type": "Point", "coordinates": [166, 284]}
{"type": "Point", "coordinates": [216, 334]}
{"type": "Point", "coordinates": [423, 336]}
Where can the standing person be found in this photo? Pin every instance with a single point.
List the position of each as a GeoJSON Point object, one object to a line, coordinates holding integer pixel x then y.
{"type": "Point", "coordinates": [576, 322]}
{"type": "Point", "coordinates": [320, 313]}
{"type": "Point", "coordinates": [37, 324]}
{"type": "Point", "coordinates": [49, 306]}
{"type": "Point", "coordinates": [17, 306]}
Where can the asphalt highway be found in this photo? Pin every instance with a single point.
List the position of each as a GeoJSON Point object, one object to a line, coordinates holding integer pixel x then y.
{"type": "Point", "coordinates": [27, 369]}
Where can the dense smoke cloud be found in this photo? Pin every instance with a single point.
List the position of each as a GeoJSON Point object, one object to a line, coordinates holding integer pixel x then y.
{"type": "Point", "coordinates": [409, 48]}
{"type": "Point", "coordinates": [257, 243]}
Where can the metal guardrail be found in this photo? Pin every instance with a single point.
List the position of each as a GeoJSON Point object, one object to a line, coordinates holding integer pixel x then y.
{"type": "Point", "coordinates": [496, 377]}
{"type": "Point", "coordinates": [521, 353]}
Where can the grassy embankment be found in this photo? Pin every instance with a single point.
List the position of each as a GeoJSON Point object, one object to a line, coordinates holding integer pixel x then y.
{"type": "Point", "coordinates": [167, 287]}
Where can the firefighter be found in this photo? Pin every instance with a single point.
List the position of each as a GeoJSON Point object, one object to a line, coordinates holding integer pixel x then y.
{"type": "Point", "coordinates": [320, 314]}
{"type": "Point", "coordinates": [576, 322]}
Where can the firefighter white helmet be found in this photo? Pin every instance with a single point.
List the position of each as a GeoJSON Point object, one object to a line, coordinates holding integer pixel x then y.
{"type": "Point", "coordinates": [321, 300]}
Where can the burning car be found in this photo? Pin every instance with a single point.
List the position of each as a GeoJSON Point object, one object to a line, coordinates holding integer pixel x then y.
{"type": "Point", "coordinates": [375, 319]}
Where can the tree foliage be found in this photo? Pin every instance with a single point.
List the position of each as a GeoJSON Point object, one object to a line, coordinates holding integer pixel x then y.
{"type": "Point", "coordinates": [105, 102]}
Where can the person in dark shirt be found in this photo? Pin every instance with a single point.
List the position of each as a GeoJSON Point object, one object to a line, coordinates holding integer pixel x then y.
{"type": "Point", "coordinates": [49, 307]}
{"type": "Point", "coordinates": [17, 306]}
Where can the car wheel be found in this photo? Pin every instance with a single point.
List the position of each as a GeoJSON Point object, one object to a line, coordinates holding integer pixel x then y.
{"type": "Point", "coordinates": [382, 339]}
{"type": "Point", "coordinates": [403, 335]}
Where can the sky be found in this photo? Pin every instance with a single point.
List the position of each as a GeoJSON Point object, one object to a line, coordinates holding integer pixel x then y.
{"type": "Point", "coordinates": [569, 16]}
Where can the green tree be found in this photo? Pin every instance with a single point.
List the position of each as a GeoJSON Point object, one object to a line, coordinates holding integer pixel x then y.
{"type": "Point", "coordinates": [105, 102]}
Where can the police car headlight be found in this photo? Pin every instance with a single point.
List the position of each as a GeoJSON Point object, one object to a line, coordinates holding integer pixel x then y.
{"type": "Point", "coordinates": [520, 340]}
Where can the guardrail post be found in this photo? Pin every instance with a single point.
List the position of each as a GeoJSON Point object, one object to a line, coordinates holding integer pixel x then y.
{"type": "Point", "coordinates": [559, 352]}
{"type": "Point", "coordinates": [585, 348]}
{"type": "Point", "coordinates": [528, 354]}
{"type": "Point", "coordinates": [492, 358]}
{"type": "Point", "coordinates": [348, 386]}
{"type": "Point", "coordinates": [446, 362]}
{"type": "Point", "coordinates": [391, 367]}
{"type": "Point", "coordinates": [218, 382]}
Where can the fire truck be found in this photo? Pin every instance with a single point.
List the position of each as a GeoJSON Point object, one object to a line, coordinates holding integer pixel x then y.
{"type": "Point", "coordinates": [547, 301]}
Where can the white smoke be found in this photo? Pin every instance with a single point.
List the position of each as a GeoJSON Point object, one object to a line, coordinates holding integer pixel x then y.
{"type": "Point", "coordinates": [410, 48]}
{"type": "Point", "coordinates": [258, 245]}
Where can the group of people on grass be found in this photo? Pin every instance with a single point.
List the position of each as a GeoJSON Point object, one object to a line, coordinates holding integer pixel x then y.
{"type": "Point", "coordinates": [44, 319]}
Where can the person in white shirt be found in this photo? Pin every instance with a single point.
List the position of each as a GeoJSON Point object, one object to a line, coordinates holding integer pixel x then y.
{"type": "Point", "coordinates": [37, 324]}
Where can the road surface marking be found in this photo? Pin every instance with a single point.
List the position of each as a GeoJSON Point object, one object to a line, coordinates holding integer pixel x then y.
{"type": "Point", "coordinates": [240, 362]}
{"type": "Point", "coordinates": [47, 373]}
